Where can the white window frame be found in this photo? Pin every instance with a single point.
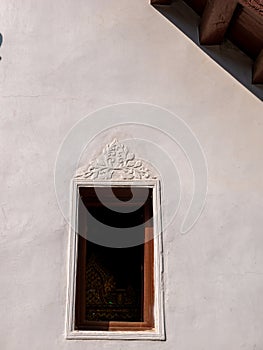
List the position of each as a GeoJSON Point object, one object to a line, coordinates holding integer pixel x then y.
{"type": "Point", "coordinates": [118, 172]}
{"type": "Point", "coordinates": [158, 332]}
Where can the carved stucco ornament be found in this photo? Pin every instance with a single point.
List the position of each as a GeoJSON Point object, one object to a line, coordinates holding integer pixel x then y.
{"type": "Point", "coordinates": [115, 162]}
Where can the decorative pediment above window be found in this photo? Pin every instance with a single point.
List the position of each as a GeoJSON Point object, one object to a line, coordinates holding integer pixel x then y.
{"type": "Point", "coordinates": [115, 285]}
{"type": "Point", "coordinates": [116, 163]}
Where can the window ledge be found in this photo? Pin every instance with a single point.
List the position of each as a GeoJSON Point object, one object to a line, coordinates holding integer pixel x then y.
{"type": "Point", "coordinates": [115, 335]}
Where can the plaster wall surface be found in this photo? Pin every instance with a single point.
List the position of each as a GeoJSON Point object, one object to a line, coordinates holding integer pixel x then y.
{"type": "Point", "coordinates": [62, 60]}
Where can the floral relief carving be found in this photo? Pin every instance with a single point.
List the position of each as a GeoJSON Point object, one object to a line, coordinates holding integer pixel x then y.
{"type": "Point", "coordinates": [115, 162]}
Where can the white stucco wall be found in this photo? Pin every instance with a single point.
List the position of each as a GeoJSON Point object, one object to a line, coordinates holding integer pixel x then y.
{"type": "Point", "coordinates": [61, 60]}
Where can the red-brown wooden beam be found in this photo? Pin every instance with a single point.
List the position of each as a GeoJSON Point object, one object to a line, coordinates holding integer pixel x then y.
{"type": "Point", "coordinates": [246, 30]}
{"type": "Point", "coordinates": [258, 69]}
{"type": "Point", "coordinates": [161, 2]}
{"type": "Point", "coordinates": [255, 5]}
{"type": "Point", "coordinates": [215, 20]}
{"type": "Point", "coordinates": [197, 5]}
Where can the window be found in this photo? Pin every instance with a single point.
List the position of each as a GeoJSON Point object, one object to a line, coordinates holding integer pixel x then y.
{"type": "Point", "coordinates": [114, 286]}
{"type": "Point", "coordinates": [115, 280]}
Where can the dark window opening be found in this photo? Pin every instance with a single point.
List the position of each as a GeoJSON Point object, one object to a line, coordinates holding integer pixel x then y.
{"type": "Point", "coordinates": [114, 286]}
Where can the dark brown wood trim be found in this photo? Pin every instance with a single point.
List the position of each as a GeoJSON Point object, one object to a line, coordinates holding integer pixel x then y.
{"type": "Point", "coordinates": [148, 284]}
{"type": "Point", "coordinates": [197, 5]}
{"type": "Point", "coordinates": [115, 326]}
{"type": "Point", "coordinates": [215, 20]}
{"type": "Point", "coordinates": [246, 31]}
{"type": "Point", "coordinates": [255, 5]}
{"type": "Point", "coordinates": [113, 204]}
{"type": "Point", "coordinates": [258, 69]}
{"type": "Point", "coordinates": [148, 303]}
{"type": "Point", "coordinates": [80, 281]}
{"type": "Point", "coordinates": [161, 2]}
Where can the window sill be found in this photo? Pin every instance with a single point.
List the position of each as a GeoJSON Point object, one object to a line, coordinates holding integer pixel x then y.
{"type": "Point", "coordinates": [116, 335]}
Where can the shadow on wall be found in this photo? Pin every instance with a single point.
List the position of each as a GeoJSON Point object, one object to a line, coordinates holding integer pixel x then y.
{"type": "Point", "coordinates": [232, 59]}
{"type": "Point", "coordinates": [1, 40]}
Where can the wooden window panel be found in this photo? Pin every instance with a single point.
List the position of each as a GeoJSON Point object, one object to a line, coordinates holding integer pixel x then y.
{"type": "Point", "coordinates": [81, 323]}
